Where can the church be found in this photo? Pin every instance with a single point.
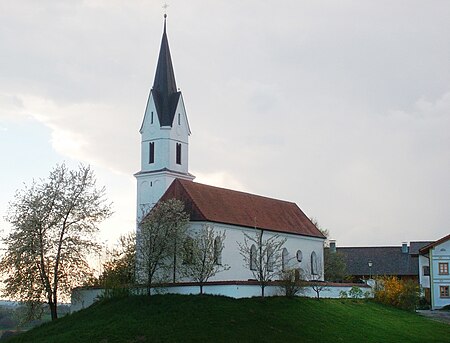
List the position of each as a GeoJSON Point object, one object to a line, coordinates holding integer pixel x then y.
{"type": "Point", "coordinates": [165, 175]}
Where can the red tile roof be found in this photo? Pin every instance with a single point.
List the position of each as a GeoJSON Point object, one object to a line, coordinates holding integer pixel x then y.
{"type": "Point", "coordinates": [220, 205]}
{"type": "Point", "coordinates": [425, 249]}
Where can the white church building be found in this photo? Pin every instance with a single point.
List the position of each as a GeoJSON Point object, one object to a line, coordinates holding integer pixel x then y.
{"type": "Point", "coordinates": [165, 175]}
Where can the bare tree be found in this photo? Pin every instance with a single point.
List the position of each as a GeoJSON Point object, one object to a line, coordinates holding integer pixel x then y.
{"type": "Point", "coordinates": [53, 226]}
{"type": "Point", "coordinates": [262, 255]}
{"type": "Point", "coordinates": [204, 255]}
{"type": "Point", "coordinates": [158, 231]}
{"type": "Point", "coordinates": [292, 282]}
{"type": "Point", "coordinates": [314, 274]}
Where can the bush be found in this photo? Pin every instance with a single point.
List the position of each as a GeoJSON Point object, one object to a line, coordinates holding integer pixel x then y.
{"type": "Point", "coordinates": [343, 295]}
{"type": "Point", "coordinates": [290, 282]}
{"type": "Point", "coordinates": [398, 293]}
{"type": "Point", "coordinates": [355, 292]}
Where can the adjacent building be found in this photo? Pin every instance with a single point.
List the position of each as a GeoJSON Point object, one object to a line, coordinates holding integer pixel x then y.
{"type": "Point", "coordinates": [434, 260]}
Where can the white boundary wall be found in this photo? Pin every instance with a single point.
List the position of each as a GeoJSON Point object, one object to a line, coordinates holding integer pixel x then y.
{"type": "Point", "coordinates": [85, 297]}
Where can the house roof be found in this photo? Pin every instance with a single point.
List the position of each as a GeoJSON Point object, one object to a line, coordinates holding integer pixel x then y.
{"type": "Point", "coordinates": [164, 90]}
{"type": "Point", "coordinates": [385, 260]}
{"type": "Point", "coordinates": [220, 205]}
{"type": "Point", "coordinates": [427, 248]}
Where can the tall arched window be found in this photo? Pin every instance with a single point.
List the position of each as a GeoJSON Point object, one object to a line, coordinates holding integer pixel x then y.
{"type": "Point", "coordinates": [253, 258]}
{"type": "Point", "coordinates": [217, 251]}
{"type": "Point", "coordinates": [270, 259]}
{"type": "Point", "coordinates": [188, 248]}
{"type": "Point", "coordinates": [284, 259]}
{"type": "Point", "coordinates": [314, 263]}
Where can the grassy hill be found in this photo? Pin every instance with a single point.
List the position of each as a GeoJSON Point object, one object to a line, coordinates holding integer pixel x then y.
{"type": "Point", "coordinates": [178, 318]}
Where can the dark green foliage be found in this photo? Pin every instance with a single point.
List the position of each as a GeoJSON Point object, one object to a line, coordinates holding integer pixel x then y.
{"type": "Point", "coordinates": [177, 318]}
{"type": "Point", "coordinates": [335, 268]}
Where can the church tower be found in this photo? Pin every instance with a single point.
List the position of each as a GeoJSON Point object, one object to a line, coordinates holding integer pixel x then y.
{"type": "Point", "coordinates": [164, 135]}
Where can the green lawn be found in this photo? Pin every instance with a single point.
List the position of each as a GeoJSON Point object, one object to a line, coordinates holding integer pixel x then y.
{"type": "Point", "coordinates": [177, 318]}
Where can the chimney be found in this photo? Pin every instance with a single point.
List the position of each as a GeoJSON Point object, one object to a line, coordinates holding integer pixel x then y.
{"type": "Point", "coordinates": [405, 248]}
{"type": "Point", "coordinates": [332, 245]}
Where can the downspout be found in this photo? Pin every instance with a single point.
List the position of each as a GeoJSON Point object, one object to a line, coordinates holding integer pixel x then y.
{"type": "Point", "coordinates": [431, 278]}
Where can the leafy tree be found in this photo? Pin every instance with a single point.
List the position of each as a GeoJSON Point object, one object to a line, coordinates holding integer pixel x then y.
{"type": "Point", "coordinates": [159, 232]}
{"type": "Point", "coordinates": [335, 268]}
{"type": "Point", "coordinates": [204, 255]}
{"type": "Point", "coordinates": [323, 231]}
{"type": "Point", "coordinates": [262, 256]}
{"type": "Point", "coordinates": [395, 292]}
{"type": "Point", "coordinates": [119, 270]}
{"type": "Point", "coordinates": [53, 226]}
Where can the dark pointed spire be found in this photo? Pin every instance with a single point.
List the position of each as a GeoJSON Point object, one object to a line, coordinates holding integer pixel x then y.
{"type": "Point", "coordinates": [164, 89]}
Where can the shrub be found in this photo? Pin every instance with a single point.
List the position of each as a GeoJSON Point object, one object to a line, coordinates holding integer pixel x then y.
{"type": "Point", "coordinates": [398, 293]}
{"type": "Point", "coordinates": [343, 295]}
{"type": "Point", "coordinates": [355, 292]}
{"type": "Point", "coordinates": [290, 282]}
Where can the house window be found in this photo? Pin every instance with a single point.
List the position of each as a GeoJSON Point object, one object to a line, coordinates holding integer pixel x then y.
{"type": "Point", "coordinates": [299, 255]}
{"type": "Point", "coordinates": [443, 268]}
{"type": "Point", "coordinates": [151, 118]}
{"type": "Point", "coordinates": [253, 258]}
{"type": "Point", "coordinates": [444, 290]}
{"type": "Point", "coordinates": [426, 271]}
{"type": "Point", "coordinates": [217, 251]}
{"type": "Point", "coordinates": [179, 119]}
{"type": "Point", "coordinates": [314, 263]}
{"type": "Point", "coordinates": [270, 259]}
{"type": "Point", "coordinates": [284, 259]}
{"type": "Point", "coordinates": [151, 158]}
{"type": "Point", "coordinates": [178, 155]}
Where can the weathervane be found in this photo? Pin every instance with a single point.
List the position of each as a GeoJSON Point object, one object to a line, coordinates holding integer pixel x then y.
{"type": "Point", "coordinates": [165, 9]}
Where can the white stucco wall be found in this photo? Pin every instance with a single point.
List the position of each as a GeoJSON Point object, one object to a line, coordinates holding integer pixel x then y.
{"type": "Point", "coordinates": [232, 257]}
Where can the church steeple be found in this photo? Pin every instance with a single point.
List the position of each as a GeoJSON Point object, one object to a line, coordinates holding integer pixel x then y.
{"type": "Point", "coordinates": [164, 135]}
{"type": "Point", "coordinates": [164, 89]}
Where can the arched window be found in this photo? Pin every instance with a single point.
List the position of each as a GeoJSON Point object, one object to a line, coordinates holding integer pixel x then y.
{"type": "Point", "coordinates": [188, 250]}
{"type": "Point", "coordinates": [217, 251]}
{"type": "Point", "coordinates": [253, 258]}
{"type": "Point", "coordinates": [314, 263]}
{"type": "Point", "coordinates": [299, 256]}
{"type": "Point", "coordinates": [284, 259]}
{"type": "Point", "coordinates": [270, 259]}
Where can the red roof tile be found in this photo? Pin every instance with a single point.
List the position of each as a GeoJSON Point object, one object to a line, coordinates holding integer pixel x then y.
{"type": "Point", "coordinates": [220, 205]}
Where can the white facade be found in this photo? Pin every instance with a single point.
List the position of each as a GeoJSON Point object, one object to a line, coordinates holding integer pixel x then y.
{"type": "Point", "coordinates": [231, 255]}
{"type": "Point", "coordinates": [158, 172]}
{"type": "Point", "coordinates": [437, 259]}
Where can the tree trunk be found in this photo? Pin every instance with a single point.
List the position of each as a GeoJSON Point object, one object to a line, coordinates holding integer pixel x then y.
{"type": "Point", "coordinates": [262, 290]}
{"type": "Point", "coordinates": [53, 310]}
{"type": "Point", "coordinates": [201, 288]}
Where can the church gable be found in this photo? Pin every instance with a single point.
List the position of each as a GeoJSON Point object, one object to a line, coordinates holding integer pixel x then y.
{"type": "Point", "coordinates": [220, 205]}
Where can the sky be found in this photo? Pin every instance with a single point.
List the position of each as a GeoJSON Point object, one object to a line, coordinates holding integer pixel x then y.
{"type": "Point", "coordinates": [342, 107]}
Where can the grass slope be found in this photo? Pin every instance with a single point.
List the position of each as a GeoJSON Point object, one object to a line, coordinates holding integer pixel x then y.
{"type": "Point", "coordinates": [178, 318]}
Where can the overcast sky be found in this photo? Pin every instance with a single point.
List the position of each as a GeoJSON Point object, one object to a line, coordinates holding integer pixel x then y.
{"type": "Point", "coordinates": [340, 106]}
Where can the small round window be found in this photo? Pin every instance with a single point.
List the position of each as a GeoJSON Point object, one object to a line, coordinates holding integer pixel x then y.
{"type": "Point", "coordinates": [299, 256]}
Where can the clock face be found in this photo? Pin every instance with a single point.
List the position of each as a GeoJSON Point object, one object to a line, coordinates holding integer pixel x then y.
{"type": "Point", "coordinates": [299, 256]}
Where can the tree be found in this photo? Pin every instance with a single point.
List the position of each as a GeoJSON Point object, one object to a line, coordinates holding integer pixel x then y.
{"type": "Point", "coordinates": [292, 282]}
{"type": "Point", "coordinates": [323, 231]}
{"type": "Point", "coordinates": [157, 238]}
{"type": "Point", "coordinates": [262, 256]}
{"type": "Point", "coordinates": [120, 268]}
{"type": "Point", "coordinates": [313, 273]}
{"type": "Point", "coordinates": [335, 268]}
{"type": "Point", "coordinates": [53, 226]}
{"type": "Point", "coordinates": [204, 255]}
